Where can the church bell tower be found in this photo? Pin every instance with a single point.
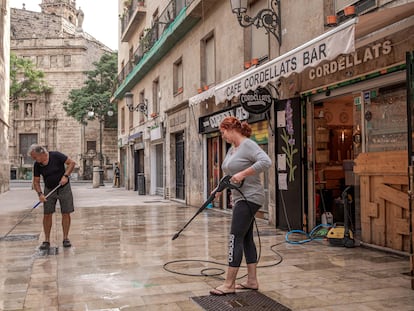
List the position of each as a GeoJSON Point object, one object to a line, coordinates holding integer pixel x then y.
{"type": "Point", "coordinates": [64, 8]}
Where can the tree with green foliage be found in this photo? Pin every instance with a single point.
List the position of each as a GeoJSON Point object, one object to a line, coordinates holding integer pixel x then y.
{"type": "Point", "coordinates": [96, 93]}
{"type": "Point", "coordinates": [25, 79]}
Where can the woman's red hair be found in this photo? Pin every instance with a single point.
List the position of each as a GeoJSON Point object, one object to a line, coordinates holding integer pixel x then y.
{"type": "Point", "coordinates": [232, 123]}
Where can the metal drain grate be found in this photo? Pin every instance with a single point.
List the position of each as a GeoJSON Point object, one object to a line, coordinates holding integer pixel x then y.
{"type": "Point", "coordinates": [21, 237]}
{"type": "Point", "coordinates": [246, 301]}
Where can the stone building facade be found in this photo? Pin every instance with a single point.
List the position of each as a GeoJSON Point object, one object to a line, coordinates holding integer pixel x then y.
{"type": "Point", "coordinates": [199, 44]}
{"type": "Point", "coordinates": [56, 43]}
{"type": "Point", "coordinates": [185, 64]}
{"type": "Point", "coordinates": [4, 93]}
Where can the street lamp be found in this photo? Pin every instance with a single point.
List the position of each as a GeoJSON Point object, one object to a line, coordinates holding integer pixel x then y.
{"type": "Point", "coordinates": [269, 18]}
{"type": "Point", "coordinates": [142, 107]}
{"type": "Point", "coordinates": [101, 117]}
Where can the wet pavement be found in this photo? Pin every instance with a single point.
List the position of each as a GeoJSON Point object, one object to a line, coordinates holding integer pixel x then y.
{"type": "Point", "coordinates": [123, 258]}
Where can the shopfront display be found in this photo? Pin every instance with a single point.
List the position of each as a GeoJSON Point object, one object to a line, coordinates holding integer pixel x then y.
{"type": "Point", "coordinates": [217, 148]}
{"type": "Point", "coordinates": [386, 118]}
{"type": "Point", "coordinates": [360, 100]}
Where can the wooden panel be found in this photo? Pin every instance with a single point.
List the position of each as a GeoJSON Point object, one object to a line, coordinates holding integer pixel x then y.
{"type": "Point", "coordinates": [402, 226]}
{"type": "Point", "coordinates": [396, 180]}
{"type": "Point", "coordinates": [393, 215]}
{"type": "Point", "coordinates": [334, 173]}
{"type": "Point", "coordinates": [372, 210]}
{"type": "Point", "coordinates": [365, 209]}
{"type": "Point", "coordinates": [379, 226]}
{"type": "Point", "coordinates": [390, 194]}
{"type": "Point", "coordinates": [382, 163]}
{"type": "Point", "coordinates": [384, 199]}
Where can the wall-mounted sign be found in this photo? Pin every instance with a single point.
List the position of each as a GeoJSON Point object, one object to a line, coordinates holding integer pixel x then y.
{"type": "Point", "coordinates": [211, 123]}
{"type": "Point", "coordinates": [257, 101]}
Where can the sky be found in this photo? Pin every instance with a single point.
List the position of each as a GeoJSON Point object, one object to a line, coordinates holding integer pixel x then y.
{"type": "Point", "coordinates": [101, 18]}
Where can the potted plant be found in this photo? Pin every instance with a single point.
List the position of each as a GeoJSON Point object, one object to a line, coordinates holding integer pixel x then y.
{"type": "Point", "coordinates": [145, 40]}
{"type": "Point", "coordinates": [331, 20]}
{"type": "Point", "coordinates": [349, 10]}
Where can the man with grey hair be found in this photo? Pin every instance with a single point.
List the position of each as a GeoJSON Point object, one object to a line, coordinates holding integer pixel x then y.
{"type": "Point", "coordinates": [55, 168]}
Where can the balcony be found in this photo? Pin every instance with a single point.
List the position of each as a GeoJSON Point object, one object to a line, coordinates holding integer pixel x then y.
{"type": "Point", "coordinates": [175, 21]}
{"type": "Point", "coordinates": [134, 13]}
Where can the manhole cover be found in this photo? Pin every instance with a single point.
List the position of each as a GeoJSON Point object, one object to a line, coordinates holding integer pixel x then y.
{"type": "Point", "coordinates": [21, 237]}
{"type": "Point", "coordinates": [246, 301]}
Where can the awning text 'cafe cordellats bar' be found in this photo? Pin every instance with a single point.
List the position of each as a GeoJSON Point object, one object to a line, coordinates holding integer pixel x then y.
{"type": "Point", "coordinates": [340, 40]}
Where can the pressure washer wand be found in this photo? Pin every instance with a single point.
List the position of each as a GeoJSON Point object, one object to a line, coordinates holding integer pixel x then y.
{"type": "Point", "coordinates": [27, 214]}
{"type": "Point", "coordinates": [223, 184]}
{"type": "Point", "coordinates": [209, 200]}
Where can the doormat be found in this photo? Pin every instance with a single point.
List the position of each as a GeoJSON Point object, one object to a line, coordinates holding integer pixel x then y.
{"type": "Point", "coordinates": [246, 301]}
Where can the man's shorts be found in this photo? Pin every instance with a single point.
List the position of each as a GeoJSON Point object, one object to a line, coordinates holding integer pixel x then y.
{"type": "Point", "coordinates": [65, 197]}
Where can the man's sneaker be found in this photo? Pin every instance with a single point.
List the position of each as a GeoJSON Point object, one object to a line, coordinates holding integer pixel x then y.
{"type": "Point", "coordinates": [66, 243]}
{"type": "Point", "coordinates": [45, 246]}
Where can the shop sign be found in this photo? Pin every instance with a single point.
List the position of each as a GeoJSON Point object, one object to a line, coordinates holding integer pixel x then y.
{"type": "Point", "coordinates": [211, 123]}
{"type": "Point", "coordinates": [359, 57]}
{"type": "Point", "coordinates": [156, 133]}
{"type": "Point", "coordinates": [257, 101]}
{"type": "Point", "coordinates": [373, 57]}
{"type": "Point", "coordinates": [325, 47]}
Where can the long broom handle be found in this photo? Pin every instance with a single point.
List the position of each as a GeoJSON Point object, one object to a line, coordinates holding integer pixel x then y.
{"type": "Point", "coordinates": [27, 214]}
{"type": "Point", "coordinates": [50, 193]}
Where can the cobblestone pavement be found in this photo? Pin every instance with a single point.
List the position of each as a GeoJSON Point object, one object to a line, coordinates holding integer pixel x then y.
{"type": "Point", "coordinates": [123, 258]}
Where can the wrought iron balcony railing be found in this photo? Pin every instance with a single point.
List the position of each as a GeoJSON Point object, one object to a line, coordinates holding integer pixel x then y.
{"type": "Point", "coordinates": [151, 35]}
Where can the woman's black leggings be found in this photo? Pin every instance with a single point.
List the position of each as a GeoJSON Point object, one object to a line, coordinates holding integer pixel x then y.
{"type": "Point", "coordinates": [241, 234]}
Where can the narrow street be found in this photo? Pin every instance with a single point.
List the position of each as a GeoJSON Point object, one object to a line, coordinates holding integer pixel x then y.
{"type": "Point", "coordinates": [122, 242]}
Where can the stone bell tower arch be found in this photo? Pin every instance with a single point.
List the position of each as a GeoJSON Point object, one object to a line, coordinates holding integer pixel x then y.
{"type": "Point", "coordinates": [64, 8]}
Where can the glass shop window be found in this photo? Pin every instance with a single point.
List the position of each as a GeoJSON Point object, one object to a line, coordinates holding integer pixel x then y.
{"type": "Point", "coordinates": [385, 117]}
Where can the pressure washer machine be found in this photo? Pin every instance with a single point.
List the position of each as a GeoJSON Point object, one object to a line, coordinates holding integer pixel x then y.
{"type": "Point", "coordinates": [341, 235]}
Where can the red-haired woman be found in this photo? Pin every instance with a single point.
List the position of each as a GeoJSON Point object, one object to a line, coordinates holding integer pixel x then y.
{"type": "Point", "coordinates": [245, 160]}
